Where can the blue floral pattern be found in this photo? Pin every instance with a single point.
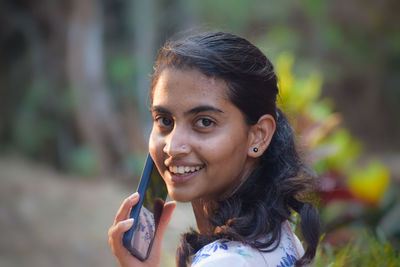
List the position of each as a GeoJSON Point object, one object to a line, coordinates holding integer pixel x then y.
{"type": "Point", "coordinates": [288, 260]}
{"type": "Point", "coordinates": [206, 251]}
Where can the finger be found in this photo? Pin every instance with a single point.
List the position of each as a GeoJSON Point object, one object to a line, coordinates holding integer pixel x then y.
{"type": "Point", "coordinates": [115, 237]}
{"type": "Point", "coordinates": [123, 212]}
{"type": "Point", "coordinates": [164, 220]}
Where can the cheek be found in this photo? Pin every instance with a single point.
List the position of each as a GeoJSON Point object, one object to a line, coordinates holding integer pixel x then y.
{"type": "Point", "coordinates": [152, 145]}
{"type": "Point", "coordinates": [225, 148]}
{"type": "Point", "coordinates": [155, 148]}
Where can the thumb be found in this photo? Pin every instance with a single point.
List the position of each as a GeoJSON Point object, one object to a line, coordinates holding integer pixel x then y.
{"type": "Point", "coordinates": [164, 220]}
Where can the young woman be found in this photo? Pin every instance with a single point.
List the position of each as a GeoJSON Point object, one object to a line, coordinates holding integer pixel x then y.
{"type": "Point", "coordinates": [220, 142]}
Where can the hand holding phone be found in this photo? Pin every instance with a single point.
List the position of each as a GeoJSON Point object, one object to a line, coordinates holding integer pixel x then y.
{"type": "Point", "coordinates": [123, 224]}
{"type": "Point", "coordinates": [146, 214]}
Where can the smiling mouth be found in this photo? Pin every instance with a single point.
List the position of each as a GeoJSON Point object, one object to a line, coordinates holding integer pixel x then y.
{"type": "Point", "coordinates": [182, 170]}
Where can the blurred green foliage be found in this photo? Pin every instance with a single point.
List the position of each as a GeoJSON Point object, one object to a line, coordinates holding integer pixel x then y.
{"type": "Point", "coordinates": [30, 129]}
{"type": "Point", "coordinates": [370, 183]}
{"type": "Point", "coordinates": [352, 192]}
{"type": "Point", "coordinates": [364, 251]}
{"type": "Point", "coordinates": [333, 148]}
{"type": "Point", "coordinates": [83, 161]}
{"type": "Point", "coordinates": [121, 72]}
{"type": "Point", "coordinates": [345, 151]}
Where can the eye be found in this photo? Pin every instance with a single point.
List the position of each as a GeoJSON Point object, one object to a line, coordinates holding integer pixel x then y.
{"type": "Point", "coordinates": [164, 122]}
{"type": "Point", "coordinates": [204, 123]}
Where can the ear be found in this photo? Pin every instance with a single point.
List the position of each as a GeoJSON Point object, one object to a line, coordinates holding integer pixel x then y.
{"type": "Point", "coordinates": [260, 135]}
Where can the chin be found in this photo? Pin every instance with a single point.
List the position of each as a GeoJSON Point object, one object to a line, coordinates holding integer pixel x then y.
{"type": "Point", "coordinates": [180, 196]}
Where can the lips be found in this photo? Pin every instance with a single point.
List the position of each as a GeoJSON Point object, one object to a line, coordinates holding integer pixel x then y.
{"type": "Point", "coordinates": [181, 173]}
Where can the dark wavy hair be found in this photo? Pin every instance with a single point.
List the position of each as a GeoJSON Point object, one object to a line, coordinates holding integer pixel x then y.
{"type": "Point", "coordinates": [280, 182]}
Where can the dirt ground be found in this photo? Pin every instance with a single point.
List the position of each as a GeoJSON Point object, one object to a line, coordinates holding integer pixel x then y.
{"type": "Point", "coordinates": [51, 219]}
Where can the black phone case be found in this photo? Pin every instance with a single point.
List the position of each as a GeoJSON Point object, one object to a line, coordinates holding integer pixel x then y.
{"type": "Point", "coordinates": [143, 185]}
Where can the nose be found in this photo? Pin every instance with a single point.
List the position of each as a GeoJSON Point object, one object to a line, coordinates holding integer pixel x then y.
{"type": "Point", "coordinates": [176, 143]}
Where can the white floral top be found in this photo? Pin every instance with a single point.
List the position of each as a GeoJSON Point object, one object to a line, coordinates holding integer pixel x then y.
{"type": "Point", "coordinates": [225, 253]}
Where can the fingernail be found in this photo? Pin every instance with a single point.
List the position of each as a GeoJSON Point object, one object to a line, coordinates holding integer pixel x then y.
{"type": "Point", "coordinates": [134, 195]}
{"type": "Point", "coordinates": [129, 222]}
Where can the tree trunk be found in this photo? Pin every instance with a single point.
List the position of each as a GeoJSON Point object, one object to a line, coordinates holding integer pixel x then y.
{"type": "Point", "coordinates": [97, 121]}
{"type": "Point", "coordinates": [144, 27]}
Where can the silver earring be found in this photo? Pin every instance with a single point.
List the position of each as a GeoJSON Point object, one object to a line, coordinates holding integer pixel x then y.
{"type": "Point", "coordinates": [255, 150]}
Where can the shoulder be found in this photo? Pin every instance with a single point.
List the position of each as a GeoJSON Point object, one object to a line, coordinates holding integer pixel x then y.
{"type": "Point", "coordinates": [225, 253]}
{"type": "Point", "coordinates": [289, 249]}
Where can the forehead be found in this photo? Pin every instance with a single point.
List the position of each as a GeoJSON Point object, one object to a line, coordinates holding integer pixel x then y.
{"type": "Point", "coordinates": [187, 86]}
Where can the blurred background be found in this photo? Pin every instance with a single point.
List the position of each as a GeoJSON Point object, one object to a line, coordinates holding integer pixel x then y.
{"type": "Point", "coordinates": [74, 120]}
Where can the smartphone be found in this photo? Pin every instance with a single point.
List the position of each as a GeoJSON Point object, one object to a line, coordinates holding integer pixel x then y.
{"type": "Point", "coordinates": [146, 214]}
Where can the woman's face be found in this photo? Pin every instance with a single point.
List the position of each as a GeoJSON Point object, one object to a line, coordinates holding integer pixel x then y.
{"type": "Point", "coordinates": [199, 141]}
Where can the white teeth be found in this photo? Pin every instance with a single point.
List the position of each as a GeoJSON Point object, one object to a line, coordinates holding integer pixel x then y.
{"type": "Point", "coordinates": [183, 169]}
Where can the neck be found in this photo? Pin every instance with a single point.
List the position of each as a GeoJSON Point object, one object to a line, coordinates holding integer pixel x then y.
{"type": "Point", "coordinates": [201, 207]}
{"type": "Point", "coordinates": [201, 214]}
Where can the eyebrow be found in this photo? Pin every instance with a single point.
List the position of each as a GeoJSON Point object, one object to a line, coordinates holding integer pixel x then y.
{"type": "Point", "coordinates": [194, 110]}
{"type": "Point", "coordinates": [202, 109]}
{"type": "Point", "coordinates": [160, 109]}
